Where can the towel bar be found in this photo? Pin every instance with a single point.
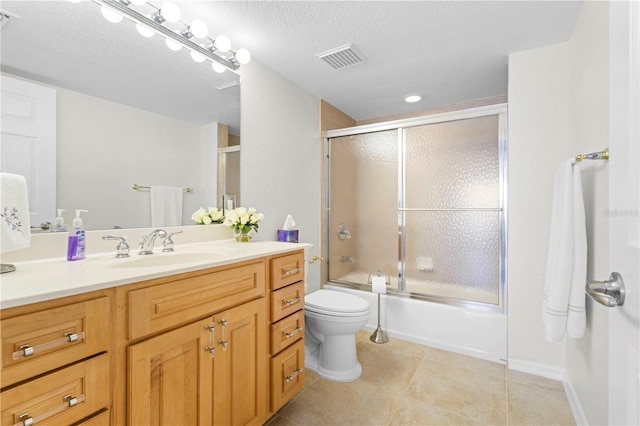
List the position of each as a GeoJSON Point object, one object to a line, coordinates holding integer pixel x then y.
{"type": "Point", "coordinates": [140, 187]}
{"type": "Point", "coordinates": [602, 155]}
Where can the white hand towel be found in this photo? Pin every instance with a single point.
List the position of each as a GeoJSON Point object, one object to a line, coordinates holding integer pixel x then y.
{"type": "Point", "coordinates": [15, 231]}
{"type": "Point", "coordinates": [166, 206]}
{"type": "Point", "coordinates": [564, 288]}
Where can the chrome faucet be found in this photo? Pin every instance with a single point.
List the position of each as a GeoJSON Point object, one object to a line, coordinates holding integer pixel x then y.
{"type": "Point", "coordinates": [146, 245]}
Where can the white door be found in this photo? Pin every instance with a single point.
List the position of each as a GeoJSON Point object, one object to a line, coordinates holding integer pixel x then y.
{"type": "Point", "coordinates": [624, 219]}
{"type": "Point", "coordinates": [28, 142]}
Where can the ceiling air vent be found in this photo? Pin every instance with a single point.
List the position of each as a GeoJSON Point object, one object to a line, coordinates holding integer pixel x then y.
{"type": "Point", "coordinates": [342, 57]}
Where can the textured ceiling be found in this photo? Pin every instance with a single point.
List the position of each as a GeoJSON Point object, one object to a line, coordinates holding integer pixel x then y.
{"type": "Point", "coordinates": [447, 51]}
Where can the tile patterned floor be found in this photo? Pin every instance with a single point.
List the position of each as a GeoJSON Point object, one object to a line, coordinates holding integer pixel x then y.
{"type": "Point", "coordinates": [409, 384]}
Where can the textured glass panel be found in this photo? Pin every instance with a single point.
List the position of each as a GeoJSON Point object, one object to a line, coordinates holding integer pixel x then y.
{"type": "Point", "coordinates": [363, 200]}
{"type": "Point", "coordinates": [453, 164]}
{"type": "Point", "coordinates": [453, 254]}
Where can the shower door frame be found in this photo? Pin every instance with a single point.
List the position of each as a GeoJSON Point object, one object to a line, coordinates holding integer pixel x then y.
{"type": "Point", "coordinates": [499, 110]}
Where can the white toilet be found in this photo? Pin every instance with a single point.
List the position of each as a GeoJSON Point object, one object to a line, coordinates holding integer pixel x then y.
{"type": "Point", "coordinates": [331, 320]}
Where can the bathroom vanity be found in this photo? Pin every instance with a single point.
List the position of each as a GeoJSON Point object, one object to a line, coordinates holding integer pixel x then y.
{"type": "Point", "coordinates": [192, 337]}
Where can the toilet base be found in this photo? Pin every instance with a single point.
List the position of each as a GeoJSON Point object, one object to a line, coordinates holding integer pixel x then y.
{"type": "Point", "coordinates": [311, 363]}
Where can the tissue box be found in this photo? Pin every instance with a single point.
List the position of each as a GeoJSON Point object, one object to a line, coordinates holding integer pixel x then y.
{"type": "Point", "coordinates": [288, 236]}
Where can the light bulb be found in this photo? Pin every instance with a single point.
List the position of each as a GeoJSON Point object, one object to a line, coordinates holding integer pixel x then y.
{"type": "Point", "coordinates": [219, 68]}
{"type": "Point", "coordinates": [170, 12]}
{"type": "Point", "coordinates": [199, 29]}
{"type": "Point", "coordinates": [173, 45]}
{"type": "Point", "coordinates": [110, 15]}
{"type": "Point", "coordinates": [412, 98]}
{"type": "Point", "coordinates": [144, 31]}
{"type": "Point", "coordinates": [222, 43]}
{"type": "Point", "coordinates": [243, 56]}
{"type": "Point", "coordinates": [197, 57]}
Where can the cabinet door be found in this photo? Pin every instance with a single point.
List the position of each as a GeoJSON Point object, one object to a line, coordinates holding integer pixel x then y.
{"type": "Point", "coordinates": [170, 377]}
{"type": "Point", "coordinates": [240, 374]}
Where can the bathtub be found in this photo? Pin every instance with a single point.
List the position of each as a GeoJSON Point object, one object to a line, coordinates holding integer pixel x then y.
{"type": "Point", "coordinates": [456, 329]}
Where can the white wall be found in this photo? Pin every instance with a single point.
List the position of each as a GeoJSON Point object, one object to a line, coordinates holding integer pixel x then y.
{"type": "Point", "coordinates": [280, 157]}
{"type": "Point", "coordinates": [105, 147]}
{"type": "Point", "coordinates": [538, 141]}
{"type": "Point", "coordinates": [558, 108]}
{"type": "Point", "coordinates": [587, 358]}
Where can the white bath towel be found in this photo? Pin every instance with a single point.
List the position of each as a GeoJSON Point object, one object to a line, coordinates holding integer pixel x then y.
{"type": "Point", "coordinates": [166, 206]}
{"type": "Point", "coordinates": [564, 288]}
{"type": "Point", "coordinates": [15, 231]}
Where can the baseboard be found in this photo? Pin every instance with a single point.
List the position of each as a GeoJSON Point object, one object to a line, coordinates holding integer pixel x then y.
{"type": "Point", "coordinates": [574, 403]}
{"type": "Point", "coordinates": [538, 369]}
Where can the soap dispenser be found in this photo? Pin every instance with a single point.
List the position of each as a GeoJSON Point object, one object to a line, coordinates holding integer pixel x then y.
{"type": "Point", "coordinates": [59, 225]}
{"type": "Point", "coordinates": [77, 242]}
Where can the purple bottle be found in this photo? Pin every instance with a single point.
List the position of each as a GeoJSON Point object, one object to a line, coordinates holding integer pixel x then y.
{"type": "Point", "coordinates": [77, 239]}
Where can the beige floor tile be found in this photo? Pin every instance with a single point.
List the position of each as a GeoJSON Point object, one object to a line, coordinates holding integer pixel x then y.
{"type": "Point", "coordinates": [472, 393]}
{"type": "Point", "coordinates": [279, 421]}
{"type": "Point", "coordinates": [533, 380]}
{"type": "Point", "coordinates": [412, 412]}
{"type": "Point", "coordinates": [353, 403]}
{"type": "Point", "coordinates": [468, 362]}
{"type": "Point", "coordinates": [534, 405]}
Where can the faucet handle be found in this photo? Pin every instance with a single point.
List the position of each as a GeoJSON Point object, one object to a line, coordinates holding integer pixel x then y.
{"type": "Point", "coordinates": [167, 244]}
{"type": "Point", "coordinates": [122, 249]}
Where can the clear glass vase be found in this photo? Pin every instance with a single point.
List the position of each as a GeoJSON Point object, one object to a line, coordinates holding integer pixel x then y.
{"type": "Point", "coordinates": [243, 237]}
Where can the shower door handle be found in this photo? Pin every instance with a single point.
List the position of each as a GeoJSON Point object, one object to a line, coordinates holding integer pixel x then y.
{"type": "Point", "coordinates": [608, 293]}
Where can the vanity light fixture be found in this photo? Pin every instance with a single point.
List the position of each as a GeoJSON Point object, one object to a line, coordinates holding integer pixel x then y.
{"type": "Point", "coordinates": [217, 50]}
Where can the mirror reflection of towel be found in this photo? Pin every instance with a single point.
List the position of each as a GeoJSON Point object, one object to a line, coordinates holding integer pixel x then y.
{"type": "Point", "coordinates": [166, 206]}
{"type": "Point", "coordinates": [15, 229]}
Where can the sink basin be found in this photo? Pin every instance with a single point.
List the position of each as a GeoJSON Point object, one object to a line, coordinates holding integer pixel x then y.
{"type": "Point", "coordinates": [166, 259]}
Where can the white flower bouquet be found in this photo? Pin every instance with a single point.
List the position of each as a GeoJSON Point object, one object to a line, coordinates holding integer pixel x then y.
{"type": "Point", "coordinates": [243, 221]}
{"type": "Point", "coordinates": [208, 216]}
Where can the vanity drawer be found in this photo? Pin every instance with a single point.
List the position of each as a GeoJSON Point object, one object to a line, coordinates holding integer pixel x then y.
{"type": "Point", "coordinates": [286, 301]}
{"type": "Point", "coordinates": [286, 331]}
{"type": "Point", "coordinates": [159, 307]}
{"type": "Point", "coordinates": [63, 397]}
{"type": "Point", "coordinates": [41, 341]}
{"type": "Point", "coordinates": [287, 374]}
{"type": "Point", "coordinates": [287, 270]}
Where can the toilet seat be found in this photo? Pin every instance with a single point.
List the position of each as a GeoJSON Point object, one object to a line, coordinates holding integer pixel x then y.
{"type": "Point", "coordinates": [335, 303]}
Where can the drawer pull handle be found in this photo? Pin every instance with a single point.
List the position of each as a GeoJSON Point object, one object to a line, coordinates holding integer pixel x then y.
{"type": "Point", "coordinates": [69, 401]}
{"type": "Point", "coordinates": [211, 350]}
{"type": "Point", "coordinates": [292, 271]}
{"type": "Point", "coordinates": [291, 378]}
{"type": "Point", "coordinates": [25, 420]}
{"type": "Point", "coordinates": [28, 350]}
{"type": "Point", "coordinates": [290, 334]}
{"type": "Point", "coordinates": [292, 301]}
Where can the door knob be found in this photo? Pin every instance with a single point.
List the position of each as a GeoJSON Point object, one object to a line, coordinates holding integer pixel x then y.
{"type": "Point", "coordinates": [608, 293]}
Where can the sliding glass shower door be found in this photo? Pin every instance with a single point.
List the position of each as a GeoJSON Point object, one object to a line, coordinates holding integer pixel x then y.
{"type": "Point", "coordinates": [422, 203]}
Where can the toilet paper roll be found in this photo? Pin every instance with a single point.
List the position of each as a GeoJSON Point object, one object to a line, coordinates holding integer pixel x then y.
{"type": "Point", "coordinates": [379, 285]}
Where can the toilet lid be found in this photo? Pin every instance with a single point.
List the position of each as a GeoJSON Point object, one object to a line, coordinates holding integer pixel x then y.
{"type": "Point", "coordinates": [335, 301]}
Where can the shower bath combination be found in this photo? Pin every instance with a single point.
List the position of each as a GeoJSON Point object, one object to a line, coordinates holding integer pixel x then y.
{"type": "Point", "coordinates": [423, 201]}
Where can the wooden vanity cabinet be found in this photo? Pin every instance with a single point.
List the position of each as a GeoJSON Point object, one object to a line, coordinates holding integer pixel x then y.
{"type": "Point", "coordinates": [195, 347]}
{"type": "Point", "coordinates": [56, 361]}
{"type": "Point", "coordinates": [286, 328]}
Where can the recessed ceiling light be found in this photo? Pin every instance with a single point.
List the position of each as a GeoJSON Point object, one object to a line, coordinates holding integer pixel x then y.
{"type": "Point", "coordinates": [412, 98]}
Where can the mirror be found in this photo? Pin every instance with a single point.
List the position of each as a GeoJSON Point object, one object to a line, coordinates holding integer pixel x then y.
{"type": "Point", "coordinates": [129, 110]}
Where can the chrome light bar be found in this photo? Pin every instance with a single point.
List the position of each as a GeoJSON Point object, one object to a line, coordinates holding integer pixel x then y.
{"type": "Point", "coordinates": [138, 18]}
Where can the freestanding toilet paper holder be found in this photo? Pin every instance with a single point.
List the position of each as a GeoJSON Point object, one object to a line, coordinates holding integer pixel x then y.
{"type": "Point", "coordinates": [379, 336]}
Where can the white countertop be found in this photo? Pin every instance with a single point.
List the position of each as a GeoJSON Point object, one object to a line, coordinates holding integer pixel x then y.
{"type": "Point", "coordinates": [40, 280]}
